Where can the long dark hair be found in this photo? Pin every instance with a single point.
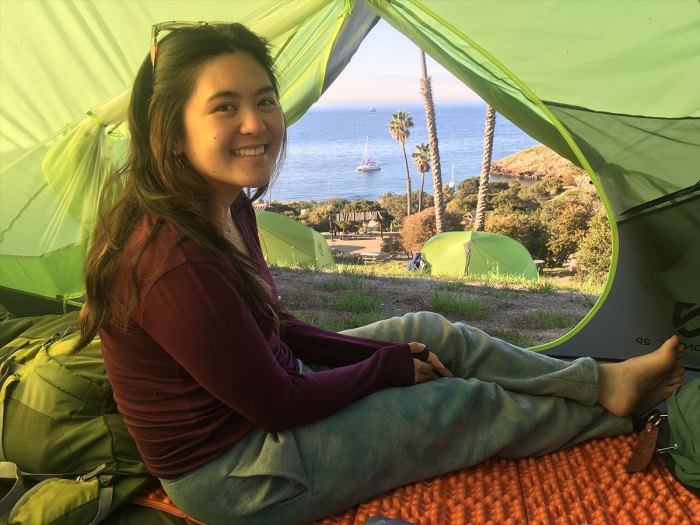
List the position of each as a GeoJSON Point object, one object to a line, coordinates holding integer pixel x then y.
{"type": "Point", "coordinates": [154, 182]}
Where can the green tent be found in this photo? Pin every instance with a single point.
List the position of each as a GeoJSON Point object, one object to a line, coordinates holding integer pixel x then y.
{"type": "Point", "coordinates": [286, 242]}
{"type": "Point", "coordinates": [456, 254]}
{"type": "Point", "coordinates": [612, 86]}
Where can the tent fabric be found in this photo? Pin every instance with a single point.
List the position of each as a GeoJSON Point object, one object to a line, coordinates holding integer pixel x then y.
{"type": "Point", "coordinates": [476, 253]}
{"type": "Point", "coordinates": [286, 242]}
{"type": "Point", "coordinates": [611, 88]}
{"type": "Point", "coordinates": [50, 122]}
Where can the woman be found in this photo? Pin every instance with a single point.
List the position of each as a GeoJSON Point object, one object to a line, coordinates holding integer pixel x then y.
{"type": "Point", "coordinates": [248, 415]}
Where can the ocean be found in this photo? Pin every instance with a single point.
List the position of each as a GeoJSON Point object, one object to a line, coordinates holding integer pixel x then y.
{"type": "Point", "coordinates": [326, 145]}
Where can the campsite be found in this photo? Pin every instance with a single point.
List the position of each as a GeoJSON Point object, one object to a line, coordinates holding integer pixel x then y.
{"type": "Point", "coordinates": [610, 88]}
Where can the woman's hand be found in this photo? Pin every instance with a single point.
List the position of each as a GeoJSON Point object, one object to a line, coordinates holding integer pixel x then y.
{"type": "Point", "coordinates": [429, 369]}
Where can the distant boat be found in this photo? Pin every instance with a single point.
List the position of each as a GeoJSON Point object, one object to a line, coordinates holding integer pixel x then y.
{"type": "Point", "coordinates": [372, 110]}
{"type": "Point", "coordinates": [366, 164]}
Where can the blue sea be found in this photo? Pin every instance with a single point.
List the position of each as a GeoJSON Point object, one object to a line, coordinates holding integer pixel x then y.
{"type": "Point", "coordinates": [326, 145]}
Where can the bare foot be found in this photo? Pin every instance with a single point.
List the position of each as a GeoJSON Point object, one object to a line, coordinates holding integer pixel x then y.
{"type": "Point", "coordinates": [635, 386]}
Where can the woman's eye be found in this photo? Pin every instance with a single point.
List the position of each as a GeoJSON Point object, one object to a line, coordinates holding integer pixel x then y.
{"type": "Point", "coordinates": [268, 102]}
{"type": "Point", "coordinates": [226, 107]}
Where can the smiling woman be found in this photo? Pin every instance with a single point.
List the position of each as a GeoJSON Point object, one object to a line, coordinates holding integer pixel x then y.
{"type": "Point", "coordinates": [232, 126]}
{"type": "Point", "coordinates": [249, 415]}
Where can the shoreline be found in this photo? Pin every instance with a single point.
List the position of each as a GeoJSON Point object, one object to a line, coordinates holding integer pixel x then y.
{"type": "Point", "coordinates": [528, 180]}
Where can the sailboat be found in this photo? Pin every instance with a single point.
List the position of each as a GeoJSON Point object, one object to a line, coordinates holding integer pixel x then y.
{"type": "Point", "coordinates": [366, 164]}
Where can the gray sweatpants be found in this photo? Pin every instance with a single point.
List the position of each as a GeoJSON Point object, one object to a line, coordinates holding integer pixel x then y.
{"type": "Point", "coordinates": [503, 402]}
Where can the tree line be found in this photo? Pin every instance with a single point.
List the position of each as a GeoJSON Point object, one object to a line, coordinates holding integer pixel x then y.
{"type": "Point", "coordinates": [554, 222]}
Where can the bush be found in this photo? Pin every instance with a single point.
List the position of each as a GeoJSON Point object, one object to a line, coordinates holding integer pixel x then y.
{"type": "Point", "coordinates": [526, 228]}
{"type": "Point", "coordinates": [317, 218]}
{"type": "Point", "coordinates": [595, 250]}
{"type": "Point", "coordinates": [547, 188]}
{"type": "Point", "coordinates": [513, 199]}
{"type": "Point", "coordinates": [360, 205]}
{"type": "Point", "coordinates": [568, 222]}
{"type": "Point", "coordinates": [467, 194]}
{"type": "Point", "coordinates": [420, 227]}
{"type": "Point", "coordinates": [392, 244]}
{"type": "Point", "coordinates": [395, 205]}
{"type": "Point", "coordinates": [462, 204]}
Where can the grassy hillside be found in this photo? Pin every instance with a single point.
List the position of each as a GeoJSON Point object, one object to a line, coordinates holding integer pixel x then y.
{"type": "Point", "coordinates": [523, 314]}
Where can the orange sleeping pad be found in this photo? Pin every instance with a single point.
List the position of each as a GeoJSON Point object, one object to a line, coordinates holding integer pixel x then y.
{"type": "Point", "coordinates": [585, 484]}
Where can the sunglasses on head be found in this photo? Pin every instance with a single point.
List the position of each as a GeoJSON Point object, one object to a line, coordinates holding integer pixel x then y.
{"type": "Point", "coordinates": [173, 25]}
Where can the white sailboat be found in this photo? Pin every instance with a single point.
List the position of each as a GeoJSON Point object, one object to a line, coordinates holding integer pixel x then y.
{"type": "Point", "coordinates": [366, 164]}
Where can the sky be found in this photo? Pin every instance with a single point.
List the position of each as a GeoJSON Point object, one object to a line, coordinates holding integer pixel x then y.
{"type": "Point", "coordinates": [386, 68]}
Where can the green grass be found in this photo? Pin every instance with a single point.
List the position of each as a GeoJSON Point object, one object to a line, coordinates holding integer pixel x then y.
{"type": "Point", "coordinates": [547, 319]}
{"type": "Point", "coordinates": [335, 284]}
{"type": "Point", "coordinates": [450, 286]}
{"type": "Point", "coordinates": [353, 321]}
{"type": "Point", "coordinates": [359, 300]}
{"type": "Point", "coordinates": [515, 337]}
{"type": "Point", "coordinates": [338, 324]}
{"type": "Point", "coordinates": [355, 270]}
{"type": "Point", "coordinates": [544, 286]}
{"type": "Point", "coordinates": [348, 266]}
{"type": "Point", "coordinates": [451, 304]}
{"type": "Point", "coordinates": [589, 287]}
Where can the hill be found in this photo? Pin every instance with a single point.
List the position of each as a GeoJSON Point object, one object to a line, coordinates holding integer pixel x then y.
{"type": "Point", "coordinates": [538, 162]}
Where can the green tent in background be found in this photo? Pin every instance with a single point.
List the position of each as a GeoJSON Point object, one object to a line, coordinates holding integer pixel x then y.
{"type": "Point", "coordinates": [456, 254]}
{"type": "Point", "coordinates": [286, 242]}
{"type": "Point", "coordinates": [612, 86]}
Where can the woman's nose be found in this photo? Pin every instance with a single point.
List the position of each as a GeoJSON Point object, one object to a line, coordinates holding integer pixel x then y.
{"type": "Point", "coordinates": [251, 122]}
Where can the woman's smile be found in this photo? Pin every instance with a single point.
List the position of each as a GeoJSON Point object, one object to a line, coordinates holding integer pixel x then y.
{"type": "Point", "coordinates": [249, 151]}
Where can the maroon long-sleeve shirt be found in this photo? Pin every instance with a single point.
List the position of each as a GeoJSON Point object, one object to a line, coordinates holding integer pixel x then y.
{"type": "Point", "coordinates": [197, 368]}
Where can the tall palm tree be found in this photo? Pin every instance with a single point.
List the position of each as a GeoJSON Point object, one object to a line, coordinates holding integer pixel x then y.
{"type": "Point", "coordinates": [427, 92]}
{"type": "Point", "coordinates": [489, 126]}
{"type": "Point", "coordinates": [420, 158]}
{"type": "Point", "coordinates": [399, 126]}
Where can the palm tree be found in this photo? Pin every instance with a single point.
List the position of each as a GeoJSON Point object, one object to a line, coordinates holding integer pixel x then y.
{"type": "Point", "coordinates": [427, 92]}
{"type": "Point", "coordinates": [420, 158]}
{"type": "Point", "coordinates": [399, 126]}
{"type": "Point", "coordinates": [489, 126]}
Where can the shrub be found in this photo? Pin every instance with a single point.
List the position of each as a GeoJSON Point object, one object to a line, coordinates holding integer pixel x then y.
{"type": "Point", "coordinates": [392, 244]}
{"type": "Point", "coordinates": [568, 222]}
{"type": "Point", "coordinates": [284, 208]}
{"type": "Point", "coordinates": [526, 228]}
{"type": "Point", "coordinates": [462, 205]}
{"type": "Point", "coordinates": [595, 250]}
{"type": "Point", "coordinates": [547, 188]}
{"type": "Point", "coordinates": [317, 218]}
{"type": "Point", "coordinates": [420, 227]}
{"type": "Point", "coordinates": [395, 205]}
{"type": "Point", "coordinates": [467, 192]}
{"type": "Point", "coordinates": [361, 205]}
{"type": "Point", "coordinates": [513, 199]}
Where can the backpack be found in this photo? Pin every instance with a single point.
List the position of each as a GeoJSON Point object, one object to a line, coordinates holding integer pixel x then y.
{"type": "Point", "coordinates": [676, 435]}
{"type": "Point", "coordinates": [679, 435]}
{"type": "Point", "coordinates": [61, 436]}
